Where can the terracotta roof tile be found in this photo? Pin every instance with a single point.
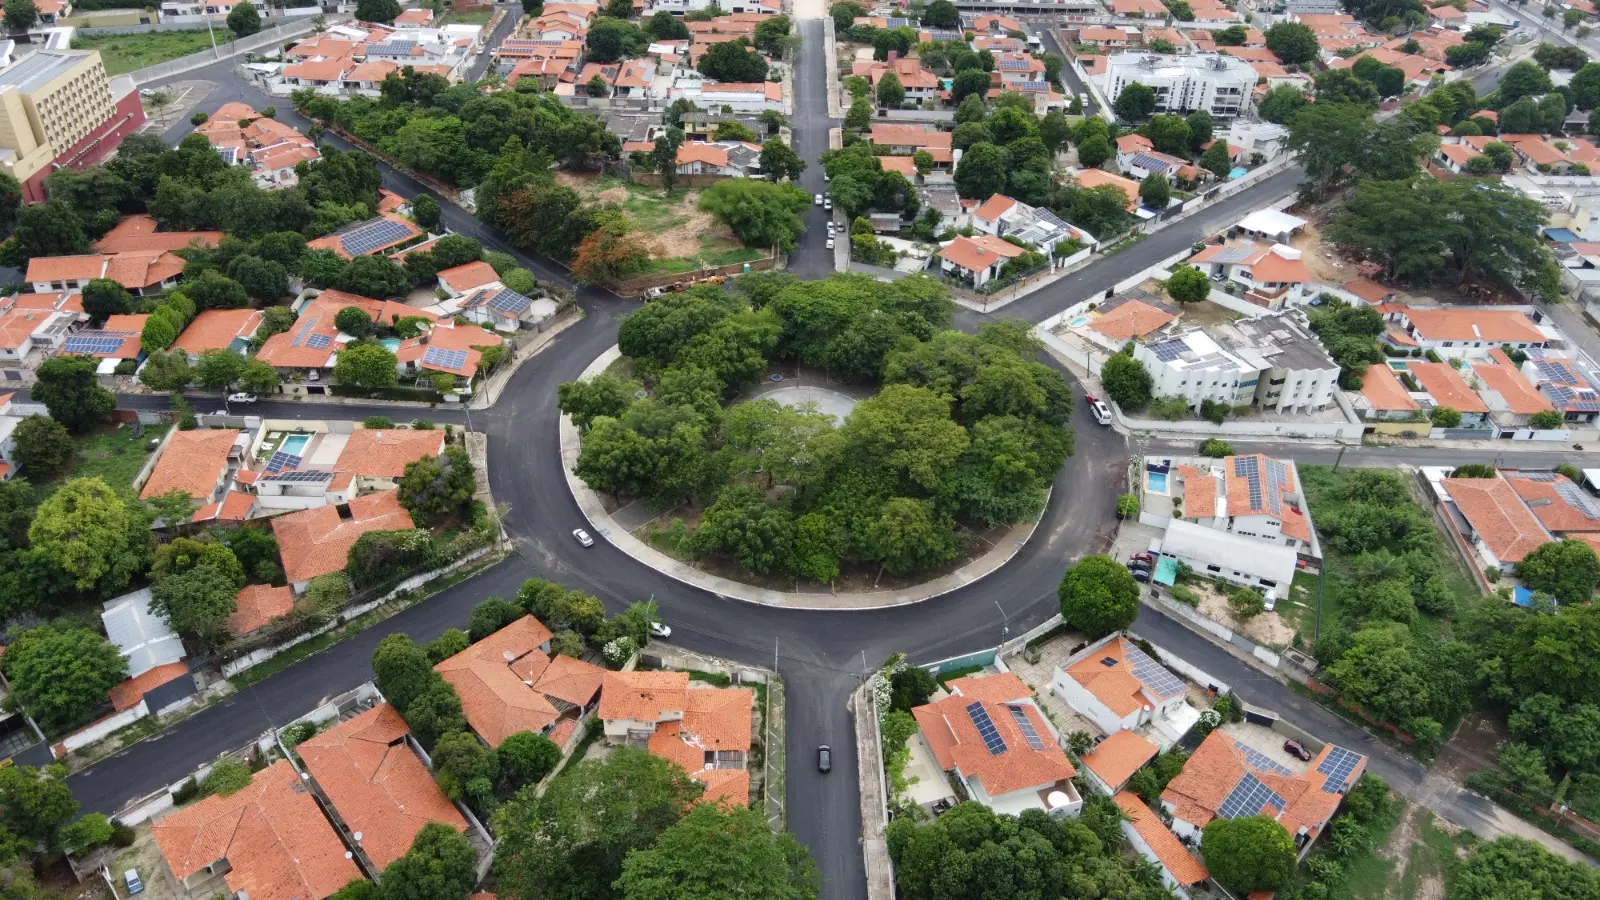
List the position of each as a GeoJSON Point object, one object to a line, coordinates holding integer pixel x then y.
{"type": "Point", "coordinates": [1543, 493]}
{"type": "Point", "coordinates": [994, 207]}
{"type": "Point", "coordinates": [978, 253]}
{"type": "Point", "coordinates": [128, 694]}
{"type": "Point", "coordinates": [138, 232]}
{"type": "Point", "coordinates": [317, 541]}
{"type": "Point", "coordinates": [1116, 758]}
{"type": "Point", "coordinates": [957, 744]}
{"type": "Point", "coordinates": [1521, 397]}
{"type": "Point", "coordinates": [376, 783]}
{"type": "Point", "coordinates": [1498, 515]}
{"type": "Point", "coordinates": [1089, 178]}
{"type": "Point", "coordinates": [272, 833]}
{"type": "Point", "coordinates": [234, 506]}
{"type": "Point", "coordinates": [643, 696]}
{"type": "Point", "coordinates": [728, 787]}
{"type": "Point", "coordinates": [474, 274]}
{"type": "Point", "coordinates": [1175, 858]}
{"type": "Point", "coordinates": [910, 136]}
{"type": "Point", "coordinates": [384, 452]}
{"type": "Point", "coordinates": [257, 605]}
{"type": "Point", "coordinates": [1497, 326]}
{"type": "Point", "coordinates": [1113, 683]}
{"type": "Point", "coordinates": [1383, 389]}
{"type": "Point", "coordinates": [1132, 319]}
{"type": "Point", "coordinates": [216, 329]}
{"type": "Point", "coordinates": [192, 462]}
{"type": "Point", "coordinates": [1200, 490]}
{"type": "Point", "coordinates": [507, 684]}
{"type": "Point", "coordinates": [1447, 387]}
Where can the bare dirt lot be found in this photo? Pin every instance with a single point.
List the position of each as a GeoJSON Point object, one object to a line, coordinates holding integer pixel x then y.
{"type": "Point", "coordinates": [1268, 628]}
{"type": "Point", "coordinates": [683, 236]}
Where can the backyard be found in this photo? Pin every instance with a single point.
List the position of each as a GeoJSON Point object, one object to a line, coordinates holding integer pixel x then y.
{"type": "Point", "coordinates": [685, 237]}
{"type": "Point", "coordinates": [123, 53]}
{"type": "Point", "coordinates": [115, 453]}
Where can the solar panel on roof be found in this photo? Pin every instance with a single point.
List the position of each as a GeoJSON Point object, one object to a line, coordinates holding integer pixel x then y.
{"type": "Point", "coordinates": [1248, 798]}
{"type": "Point", "coordinates": [86, 343]}
{"type": "Point", "coordinates": [308, 476]}
{"type": "Point", "coordinates": [509, 302]}
{"type": "Point", "coordinates": [1013, 64]}
{"type": "Point", "coordinates": [1168, 351]}
{"type": "Point", "coordinates": [1277, 482]}
{"type": "Point", "coordinates": [1338, 765]}
{"type": "Point", "coordinates": [1154, 675]}
{"type": "Point", "coordinates": [281, 461]}
{"type": "Point", "coordinates": [1551, 370]}
{"type": "Point", "coordinates": [1245, 467]}
{"type": "Point", "coordinates": [1231, 255]}
{"type": "Point", "coordinates": [370, 236]}
{"type": "Point", "coordinates": [447, 359]}
{"type": "Point", "coordinates": [319, 341]}
{"type": "Point", "coordinates": [1028, 732]}
{"type": "Point", "coordinates": [986, 730]}
{"type": "Point", "coordinates": [299, 338]}
{"type": "Point", "coordinates": [1260, 760]}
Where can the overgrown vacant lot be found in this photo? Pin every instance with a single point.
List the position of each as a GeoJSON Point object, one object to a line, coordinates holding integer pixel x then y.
{"type": "Point", "coordinates": [123, 53]}
{"type": "Point", "coordinates": [686, 238]}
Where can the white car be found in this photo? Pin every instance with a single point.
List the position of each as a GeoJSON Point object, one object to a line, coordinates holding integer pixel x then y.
{"type": "Point", "coordinates": [819, 200]}
{"type": "Point", "coordinates": [830, 243]}
{"type": "Point", "coordinates": [659, 630]}
{"type": "Point", "coordinates": [242, 398]}
{"type": "Point", "coordinates": [583, 537]}
{"type": "Point", "coordinates": [827, 204]}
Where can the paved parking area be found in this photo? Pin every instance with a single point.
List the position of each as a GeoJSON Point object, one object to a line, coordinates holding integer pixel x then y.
{"type": "Point", "coordinates": [186, 95]}
{"type": "Point", "coordinates": [1266, 741]}
{"type": "Point", "coordinates": [1038, 676]}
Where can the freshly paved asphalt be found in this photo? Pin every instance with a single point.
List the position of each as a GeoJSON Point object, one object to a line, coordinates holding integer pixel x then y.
{"type": "Point", "coordinates": [822, 654]}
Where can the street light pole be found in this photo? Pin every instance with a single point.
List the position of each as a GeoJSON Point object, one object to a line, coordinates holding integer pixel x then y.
{"type": "Point", "coordinates": [1005, 624]}
{"type": "Point", "coordinates": [212, 32]}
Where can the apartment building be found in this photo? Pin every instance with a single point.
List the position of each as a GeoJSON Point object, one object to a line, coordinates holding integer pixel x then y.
{"type": "Point", "coordinates": [1273, 361]}
{"type": "Point", "coordinates": [1219, 84]}
{"type": "Point", "coordinates": [59, 110]}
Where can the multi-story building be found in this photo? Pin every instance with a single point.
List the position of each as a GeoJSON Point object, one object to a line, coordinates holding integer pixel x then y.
{"type": "Point", "coordinates": [1273, 361]}
{"type": "Point", "coordinates": [1573, 201]}
{"type": "Point", "coordinates": [59, 110]}
{"type": "Point", "coordinates": [1216, 83]}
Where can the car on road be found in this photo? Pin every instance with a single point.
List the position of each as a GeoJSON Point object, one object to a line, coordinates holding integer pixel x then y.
{"type": "Point", "coordinates": [827, 204]}
{"type": "Point", "coordinates": [818, 200]}
{"type": "Point", "coordinates": [242, 398]}
{"type": "Point", "coordinates": [1294, 749]}
{"type": "Point", "coordinates": [830, 243]}
{"type": "Point", "coordinates": [824, 759]}
{"type": "Point", "coordinates": [1101, 412]}
{"type": "Point", "coordinates": [583, 537]}
{"type": "Point", "coordinates": [660, 630]}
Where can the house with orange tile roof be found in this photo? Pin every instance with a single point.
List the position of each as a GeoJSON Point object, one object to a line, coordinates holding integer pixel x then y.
{"type": "Point", "coordinates": [304, 355]}
{"type": "Point", "coordinates": [508, 682]}
{"type": "Point", "coordinates": [975, 261]}
{"type": "Point", "coordinates": [317, 541]}
{"type": "Point", "coordinates": [1090, 178]}
{"type": "Point", "coordinates": [445, 347]}
{"type": "Point", "coordinates": [458, 280]}
{"type": "Point", "coordinates": [1563, 507]}
{"type": "Point", "coordinates": [1273, 275]}
{"type": "Point", "coordinates": [1118, 687]}
{"type": "Point", "coordinates": [1498, 523]}
{"type": "Point", "coordinates": [706, 730]}
{"type": "Point", "coordinates": [1002, 217]}
{"type": "Point", "coordinates": [369, 772]}
{"type": "Point", "coordinates": [1449, 389]}
{"type": "Point", "coordinates": [1145, 832]}
{"type": "Point", "coordinates": [1132, 316]}
{"type": "Point", "coordinates": [143, 272]}
{"type": "Point", "coordinates": [1225, 778]}
{"type": "Point", "coordinates": [1113, 761]}
{"type": "Point", "coordinates": [137, 233]}
{"type": "Point", "coordinates": [196, 462]}
{"type": "Point", "coordinates": [1383, 396]}
{"type": "Point", "coordinates": [1255, 496]}
{"type": "Point", "coordinates": [905, 140]}
{"type": "Point", "coordinates": [256, 606]}
{"type": "Point", "coordinates": [1510, 397]}
{"type": "Point", "coordinates": [269, 840]}
{"type": "Point", "coordinates": [378, 457]}
{"type": "Point", "coordinates": [920, 83]}
{"type": "Point", "coordinates": [990, 733]}
{"type": "Point", "coordinates": [218, 329]}
{"type": "Point", "coordinates": [730, 159]}
{"type": "Point", "coordinates": [378, 236]}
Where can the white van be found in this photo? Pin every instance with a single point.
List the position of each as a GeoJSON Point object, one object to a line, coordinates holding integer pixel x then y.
{"type": "Point", "coordinates": [1102, 413]}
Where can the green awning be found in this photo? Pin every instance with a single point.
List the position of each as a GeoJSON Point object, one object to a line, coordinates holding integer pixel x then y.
{"type": "Point", "coordinates": [1166, 570]}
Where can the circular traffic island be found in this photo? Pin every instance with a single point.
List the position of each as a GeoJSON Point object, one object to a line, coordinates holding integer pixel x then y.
{"type": "Point", "coordinates": [826, 439]}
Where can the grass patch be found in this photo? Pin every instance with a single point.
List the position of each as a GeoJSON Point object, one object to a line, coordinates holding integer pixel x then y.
{"type": "Point", "coordinates": [596, 729]}
{"type": "Point", "coordinates": [946, 677]}
{"type": "Point", "coordinates": [123, 53]}
{"type": "Point", "coordinates": [471, 18]}
{"type": "Point", "coordinates": [115, 454]}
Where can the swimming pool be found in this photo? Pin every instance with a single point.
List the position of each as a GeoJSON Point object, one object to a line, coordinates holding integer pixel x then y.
{"type": "Point", "coordinates": [393, 344]}
{"type": "Point", "coordinates": [1238, 172]}
{"type": "Point", "coordinates": [1079, 322]}
{"type": "Point", "coordinates": [295, 444]}
{"type": "Point", "coordinates": [1158, 482]}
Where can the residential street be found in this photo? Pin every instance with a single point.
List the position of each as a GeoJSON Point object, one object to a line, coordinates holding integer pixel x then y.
{"type": "Point", "coordinates": [822, 654]}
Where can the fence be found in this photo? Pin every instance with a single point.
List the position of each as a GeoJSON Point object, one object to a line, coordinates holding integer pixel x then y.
{"type": "Point", "coordinates": [268, 38]}
{"type": "Point", "coordinates": [644, 283]}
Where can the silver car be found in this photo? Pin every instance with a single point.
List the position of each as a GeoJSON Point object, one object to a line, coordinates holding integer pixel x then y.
{"type": "Point", "coordinates": [583, 537]}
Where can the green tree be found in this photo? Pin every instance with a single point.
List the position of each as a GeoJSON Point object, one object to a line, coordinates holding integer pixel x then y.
{"type": "Point", "coordinates": [981, 173]}
{"type": "Point", "coordinates": [218, 369]}
{"type": "Point", "coordinates": [214, 290]}
{"type": "Point", "coordinates": [570, 843]}
{"type": "Point", "coordinates": [441, 864]}
{"type": "Point", "coordinates": [779, 161]}
{"type": "Point", "coordinates": [103, 297]}
{"type": "Point", "coordinates": [1188, 285]}
{"type": "Point", "coordinates": [258, 377]}
{"type": "Point", "coordinates": [464, 767]}
{"type": "Point", "coordinates": [243, 20]}
{"type": "Point", "coordinates": [1281, 104]}
{"type": "Point", "coordinates": [436, 489]}
{"type": "Point", "coordinates": [401, 671]}
{"type": "Point", "coordinates": [197, 602]}
{"type": "Point", "coordinates": [1155, 191]}
{"type": "Point", "coordinates": [968, 83]}
{"type": "Point", "coordinates": [1134, 103]}
{"type": "Point", "coordinates": [603, 395]}
{"type": "Point", "coordinates": [941, 14]}
{"type": "Point", "coordinates": [1216, 159]}
{"type": "Point", "coordinates": [1511, 866]}
{"type": "Point", "coordinates": [891, 93]}
{"type": "Point", "coordinates": [1546, 419]}
{"type": "Point", "coordinates": [1094, 151]}
{"type": "Point", "coordinates": [21, 15]}
{"type": "Point", "coordinates": [61, 673]}
{"type": "Point", "coordinates": [1525, 79]}
{"type": "Point", "coordinates": [52, 228]}
{"type": "Point", "coordinates": [366, 366]}
{"type": "Point", "coordinates": [1248, 854]}
{"type": "Point", "coordinates": [373, 276]}
{"type": "Point", "coordinates": [263, 279]}
{"type": "Point", "coordinates": [526, 758]}
{"type": "Point", "coordinates": [91, 535]}
{"type": "Point", "coordinates": [733, 61]}
{"type": "Point", "coordinates": [425, 211]}
{"type": "Point", "coordinates": [44, 448]}
{"type": "Point", "coordinates": [491, 615]}
{"type": "Point", "coordinates": [1098, 596]}
{"type": "Point", "coordinates": [1170, 134]}
{"type": "Point", "coordinates": [761, 213]}
{"type": "Point", "coordinates": [36, 804]}
{"type": "Point", "coordinates": [742, 523]}
{"type": "Point", "coordinates": [381, 11]}
{"type": "Point", "coordinates": [1567, 570]}
{"type": "Point", "coordinates": [859, 116]}
{"type": "Point", "coordinates": [713, 853]}
{"type": "Point", "coordinates": [1127, 381]}
{"type": "Point", "coordinates": [664, 26]}
{"type": "Point", "coordinates": [68, 387]}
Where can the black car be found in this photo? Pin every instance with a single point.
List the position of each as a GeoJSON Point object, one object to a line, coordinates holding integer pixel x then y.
{"type": "Point", "coordinates": [1294, 749]}
{"type": "Point", "coordinates": [1141, 575]}
{"type": "Point", "coordinates": [824, 759]}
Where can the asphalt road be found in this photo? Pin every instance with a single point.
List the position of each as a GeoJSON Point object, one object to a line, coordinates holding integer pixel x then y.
{"type": "Point", "coordinates": [821, 654]}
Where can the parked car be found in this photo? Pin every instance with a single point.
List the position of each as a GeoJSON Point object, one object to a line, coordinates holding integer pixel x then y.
{"type": "Point", "coordinates": [660, 630]}
{"type": "Point", "coordinates": [133, 881]}
{"type": "Point", "coordinates": [830, 243]}
{"type": "Point", "coordinates": [818, 200]}
{"type": "Point", "coordinates": [1141, 556]}
{"type": "Point", "coordinates": [827, 204]}
{"type": "Point", "coordinates": [1294, 749]}
{"type": "Point", "coordinates": [242, 398]}
{"type": "Point", "coordinates": [583, 537]}
{"type": "Point", "coordinates": [1101, 412]}
{"type": "Point", "coordinates": [1140, 575]}
{"type": "Point", "coordinates": [824, 759]}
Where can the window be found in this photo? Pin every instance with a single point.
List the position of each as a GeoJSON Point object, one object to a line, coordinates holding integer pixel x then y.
{"type": "Point", "coordinates": [1266, 583]}
{"type": "Point", "coordinates": [1213, 568]}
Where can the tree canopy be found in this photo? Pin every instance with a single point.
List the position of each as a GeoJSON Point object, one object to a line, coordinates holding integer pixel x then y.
{"type": "Point", "coordinates": [1252, 853]}
{"type": "Point", "coordinates": [1098, 596]}
{"type": "Point", "coordinates": [62, 673]}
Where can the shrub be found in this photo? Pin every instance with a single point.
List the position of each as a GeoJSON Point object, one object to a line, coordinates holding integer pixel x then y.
{"type": "Point", "coordinates": [1127, 506]}
{"type": "Point", "coordinates": [226, 777]}
{"type": "Point", "coordinates": [1216, 448]}
{"type": "Point", "coordinates": [1246, 603]}
{"type": "Point", "coordinates": [377, 422]}
{"type": "Point", "coordinates": [617, 650]}
{"type": "Point", "coordinates": [1170, 408]}
{"type": "Point", "coordinates": [1183, 594]}
{"type": "Point", "coordinates": [199, 118]}
{"type": "Point", "coordinates": [299, 733]}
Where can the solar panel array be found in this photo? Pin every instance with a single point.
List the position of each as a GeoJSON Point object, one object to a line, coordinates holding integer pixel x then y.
{"type": "Point", "coordinates": [1248, 798]}
{"type": "Point", "coordinates": [370, 236]}
{"type": "Point", "coordinates": [1574, 496]}
{"type": "Point", "coordinates": [1154, 675]}
{"type": "Point", "coordinates": [946, 35]}
{"type": "Point", "coordinates": [1169, 351]}
{"type": "Point", "coordinates": [1013, 65]}
{"type": "Point", "coordinates": [299, 338]}
{"type": "Point", "coordinates": [230, 155]}
{"type": "Point", "coordinates": [1028, 731]}
{"type": "Point", "coordinates": [1277, 482]}
{"type": "Point", "coordinates": [509, 302]}
{"type": "Point", "coordinates": [1573, 400]}
{"type": "Point", "coordinates": [898, 22]}
{"type": "Point", "coordinates": [1338, 765]}
{"type": "Point", "coordinates": [1146, 161]}
{"type": "Point", "coordinates": [394, 48]}
{"type": "Point", "coordinates": [282, 461]}
{"type": "Point", "coordinates": [1039, 86]}
{"type": "Point", "coordinates": [1259, 760]}
{"type": "Point", "coordinates": [308, 476]}
{"type": "Point", "coordinates": [986, 730]}
{"type": "Point", "coordinates": [92, 342]}
{"type": "Point", "coordinates": [1550, 370]}
{"type": "Point", "coordinates": [447, 359]}
{"type": "Point", "coordinates": [1248, 468]}
{"type": "Point", "coordinates": [319, 341]}
{"type": "Point", "coordinates": [1231, 255]}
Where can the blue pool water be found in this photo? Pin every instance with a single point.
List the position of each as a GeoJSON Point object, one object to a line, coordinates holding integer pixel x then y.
{"type": "Point", "coordinates": [295, 444]}
{"type": "Point", "coordinates": [1079, 322]}
{"type": "Point", "coordinates": [1158, 482]}
{"type": "Point", "coordinates": [1238, 172]}
{"type": "Point", "coordinates": [392, 343]}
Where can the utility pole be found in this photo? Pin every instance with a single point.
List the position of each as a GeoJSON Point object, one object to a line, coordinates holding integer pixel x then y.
{"type": "Point", "coordinates": [1005, 624]}
{"type": "Point", "coordinates": [209, 30]}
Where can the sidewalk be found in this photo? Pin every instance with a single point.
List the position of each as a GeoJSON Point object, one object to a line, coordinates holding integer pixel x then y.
{"type": "Point", "coordinates": [594, 510]}
{"type": "Point", "coordinates": [490, 392]}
